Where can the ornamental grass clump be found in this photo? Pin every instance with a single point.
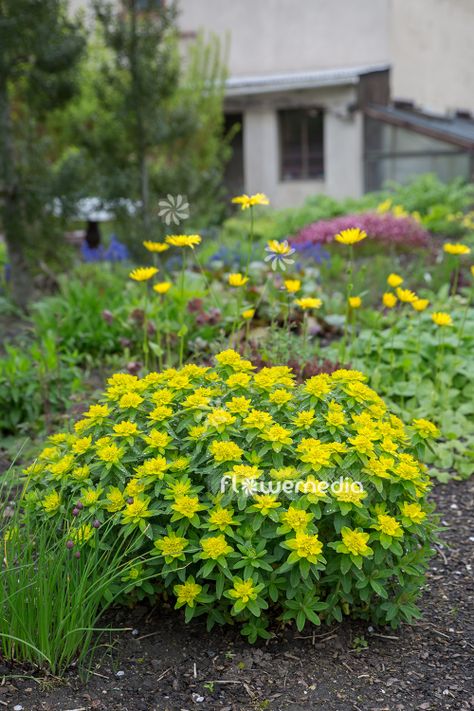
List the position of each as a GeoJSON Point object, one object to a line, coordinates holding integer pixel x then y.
{"type": "Point", "coordinates": [250, 497]}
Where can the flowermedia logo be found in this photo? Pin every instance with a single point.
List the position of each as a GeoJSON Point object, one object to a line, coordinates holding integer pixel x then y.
{"type": "Point", "coordinates": [174, 209]}
{"type": "Point", "coordinates": [279, 254]}
{"type": "Point", "coordinates": [252, 487]}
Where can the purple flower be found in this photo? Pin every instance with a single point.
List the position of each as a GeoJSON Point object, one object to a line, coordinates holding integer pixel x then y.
{"type": "Point", "coordinates": [116, 251]}
{"type": "Point", "coordinates": [91, 254]}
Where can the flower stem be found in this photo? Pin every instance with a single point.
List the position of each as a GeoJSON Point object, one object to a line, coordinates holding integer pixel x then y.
{"type": "Point", "coordinates": [181, 299]}
{"type": "Point", "coordinates": [206, 281]}
{"type": "Point", "coordinates": [287, 321]}
{"type": "Point", "coordinates": [237, 317]}
{"type": "Point", "coordinates": [456, 278]}
{"type": "Point", "coordinates": [464, 316]}
{"type": "Point", "coordinates": [145, 327]}
{"type": "Point", "coordinates": [349, 287]}
{"type": "Point", "coordinates": [305, 330]}
{"type": "Point", "coordinates": [251, 236]}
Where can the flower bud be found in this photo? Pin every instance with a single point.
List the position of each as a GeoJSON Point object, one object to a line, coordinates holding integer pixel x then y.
{"type": "Point", "coordinates": [69, 544]}
{"type": "Point", "coordinates": [96, 523]}
{"type": "Point", "coordinates": [133, 367]}
{"type": "Point", "coordinates": [75, 511]}
{"type": "Point", "coordinates": [77, 554]}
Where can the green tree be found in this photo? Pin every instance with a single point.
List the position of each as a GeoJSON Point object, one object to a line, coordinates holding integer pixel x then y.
{"type": "Point", "coordinates": [137, 82]}
{"type": "Point", "coordinates": [147, 123]}
{"type": "Point", "coordinates": [40, 47]}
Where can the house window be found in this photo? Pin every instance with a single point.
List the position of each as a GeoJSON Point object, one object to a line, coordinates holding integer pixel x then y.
{"type": "Point", "coordinates": [301, 144]}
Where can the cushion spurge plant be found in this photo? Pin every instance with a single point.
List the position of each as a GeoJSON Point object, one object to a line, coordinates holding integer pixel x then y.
{"type": "Point", "coordinates": [247, 495]}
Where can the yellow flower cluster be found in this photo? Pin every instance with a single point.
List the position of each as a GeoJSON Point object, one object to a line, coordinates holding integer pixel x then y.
{"type": "Point", "coordinates": [150, 459]}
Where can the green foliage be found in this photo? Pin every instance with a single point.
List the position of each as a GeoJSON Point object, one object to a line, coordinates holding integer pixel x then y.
{"type": "Point", "coordinates": [440, 206]}
{"type": "Point", "coordinates": [99, 312]}
{"type": "Point", "coordinates": [36, 382]}
{"type": "Point", "coordinates": [152, 456]}
{"type": "Point", "coordinates": [426, 371]}
{"type": "Point", "coordinates": [52, 595]}
{"type": "Point", "coordinates": [76, 313]}
{"type": "Point", "coordinates": [40, 47]}
{"type": "Point", "coordinates": [203, 148]}
{"type": "Point", "coordinates": [149, 107]}
{"type": "Point", "coordinates": [436, 202]}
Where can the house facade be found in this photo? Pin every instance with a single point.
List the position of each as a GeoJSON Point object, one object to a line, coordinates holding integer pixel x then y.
{"type": "Point", "coordinates": [294, 89]}
{"type": "Point", "coordinates": [338, 96]}
{"type": "Point", "coordinates": [309, 79]}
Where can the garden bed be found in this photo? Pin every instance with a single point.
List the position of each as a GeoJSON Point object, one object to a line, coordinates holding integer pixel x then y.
{"type": "Point", "coordinates": [162, 665]}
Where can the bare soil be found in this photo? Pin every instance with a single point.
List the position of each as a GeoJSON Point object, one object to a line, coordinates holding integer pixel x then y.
{"type": "Point", "coordinates": [160, 664]}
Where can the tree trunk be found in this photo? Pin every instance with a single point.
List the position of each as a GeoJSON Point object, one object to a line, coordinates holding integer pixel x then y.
{"type": "Point", "coordinates": [139, 124]}
{"type": "Point", "coordinates": [11, 216]}
{"type": "Point", "coordinates": [20, 277]}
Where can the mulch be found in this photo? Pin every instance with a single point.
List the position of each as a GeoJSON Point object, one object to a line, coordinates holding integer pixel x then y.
{"type": "Point", "coordinates": [159, 664]}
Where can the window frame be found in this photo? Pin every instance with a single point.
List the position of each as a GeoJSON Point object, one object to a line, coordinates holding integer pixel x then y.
{"type": "Point", "coordinates": [304, 144]}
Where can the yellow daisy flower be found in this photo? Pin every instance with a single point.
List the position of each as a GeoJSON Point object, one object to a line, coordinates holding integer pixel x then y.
{"type": "Point", "coordinates": [308, 302]}
{"type": "Point", "coordinates": [155, 246]}
{"type": "Point", "coordinates": [350, 236]}
{"type": "Point", "coordinates": [237, 279]}
{"type": "Point", "coordinates": [456, 249]}
{"type": "Point", "coordinates": [162, 287]}
{"type": "Point", "coordinates": [143, 273]}
{"type": "Point", "coordinates": [394, 280]}
{"type": "Point", "coordinates": [441, 318]}
{"type": "Point", "coordinates": [184, 240]}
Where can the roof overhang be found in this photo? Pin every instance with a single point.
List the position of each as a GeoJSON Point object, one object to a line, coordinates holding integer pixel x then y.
{"type": "Point", "coordinates": [450, 129]}
{"type": "Point", "coordinates": [271, 83]}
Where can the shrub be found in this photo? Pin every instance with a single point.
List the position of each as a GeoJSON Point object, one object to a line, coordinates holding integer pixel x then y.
{"type": "Point", "coordinates": [440, 208]}
{"type": "Point", "coordinates": [423, 370]}
{"type": "Point", "coordinates": [77, 312]}
{"type": "Point", "coordinates": [386, 229]}
{"type": "Point", "coordinates": [440, 205]}
{"type": "Point", "coordinates": [35, 382]}
{"type": "Point", "coordinates": [149, 461]}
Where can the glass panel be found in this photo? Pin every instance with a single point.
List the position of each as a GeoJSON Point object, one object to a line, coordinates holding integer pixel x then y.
{"type": "Point", "coordinates": [395, 153]}
{"type": "Point", "coordinates": [315, 144]}
{"type": "Point", "coordinates": [301, 144]}
{"type": "Point", "coordinates": [403, 169]}
{"type": "Point", "coordinates": [291, 132]}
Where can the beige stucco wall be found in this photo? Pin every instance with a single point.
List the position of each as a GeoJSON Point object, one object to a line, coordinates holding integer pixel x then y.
{"type": "Point", "coordinates": [271, 36]}
{"type": "Point", "coordinates": [284, 36]}
{"type": "Point", "coordinates": [432, 52]}
{"type": "Point", "coordinates": [429, 43]}
{"type": "Point", "coordinates": [342, 147]}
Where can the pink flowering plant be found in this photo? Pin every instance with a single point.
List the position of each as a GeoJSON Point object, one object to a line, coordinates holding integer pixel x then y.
{"type": "Point", "coordinates": [385, 229]}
